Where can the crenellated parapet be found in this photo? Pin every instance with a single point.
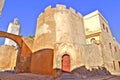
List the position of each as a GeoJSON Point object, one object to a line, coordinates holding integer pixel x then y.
{"type": "Point", "coordinates": [70, 10]}
{"type": "Point", "coordinates": [62, 9]}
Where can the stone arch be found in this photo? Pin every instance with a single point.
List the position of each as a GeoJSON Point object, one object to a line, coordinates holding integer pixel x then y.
{"type": "Point", "coordinates": [13, 37]}
{"type": "Point", "coordinates": [93, 40]}
{"type": "Point", "coordinates": [16, 39]}
{"type": "Point", "coordinates": [62, 49]}
{"type": "Point", "coordinates": [25, 52]}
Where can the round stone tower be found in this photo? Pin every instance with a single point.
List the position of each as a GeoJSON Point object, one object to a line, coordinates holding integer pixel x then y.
{"type": "Point", "coordinates": [62, 30]}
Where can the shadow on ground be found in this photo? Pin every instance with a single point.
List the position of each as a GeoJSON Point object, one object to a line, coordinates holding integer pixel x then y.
{"type": "Point", "coordinates": [80, 73]}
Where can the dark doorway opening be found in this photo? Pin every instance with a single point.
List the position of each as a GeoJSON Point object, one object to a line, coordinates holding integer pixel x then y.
{"type": "Point", "coordinates": [114, 65]}
{"type": "Point", "coordinates": [119, 64]}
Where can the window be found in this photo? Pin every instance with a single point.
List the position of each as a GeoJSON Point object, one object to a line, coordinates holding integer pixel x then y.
{"type": "Point", "coordinates": [106, 29]}
{"type": "Point", "coordinates": [103, 26]}
{"type": "Point", "coordinates": [110, 45]}
{"type": "Point", "coordinates": [92, 40]}
{"type": "Point", "coordinates": [115, 49]}
{"type": "Point", "coordinates": [114, 65]}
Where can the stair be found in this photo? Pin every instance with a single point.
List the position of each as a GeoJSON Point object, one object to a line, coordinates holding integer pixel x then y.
{"type": "Point", "coordinates": [67, 76]}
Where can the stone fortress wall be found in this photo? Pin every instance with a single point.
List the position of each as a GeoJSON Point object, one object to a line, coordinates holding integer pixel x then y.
{"type": "Point", "coordinates": [8, 56]}
{"type": "Point", "coordinates": [68, 32]}
{"type": "Point", "coordinates": [61, 29]}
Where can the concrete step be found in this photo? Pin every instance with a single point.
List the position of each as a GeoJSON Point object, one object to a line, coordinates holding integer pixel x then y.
{"type": "Point", "coordinates": [67, 76]}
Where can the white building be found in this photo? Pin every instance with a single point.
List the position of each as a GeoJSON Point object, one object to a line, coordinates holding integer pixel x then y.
{"type": "Point", "coordinates": [13, 28]}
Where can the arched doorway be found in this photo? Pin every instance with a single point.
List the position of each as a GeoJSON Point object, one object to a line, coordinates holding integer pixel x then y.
{"type": "Point", "coordinates": [66, 63]}
{"type": "Point", "coordinates": [23, 56]}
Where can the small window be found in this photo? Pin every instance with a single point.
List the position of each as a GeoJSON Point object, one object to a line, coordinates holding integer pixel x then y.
{"type": "Point", "coordinates": [103, 26]}
{"type": "Point", "coordinates": [92, 40]}
{"type": "Point", "coordinates": [106, 29]}
{"type": "Point", "coordinates": [110, 45]}
{"type": "Point", "coordinates": [114, 65]}
{"type": "Point", "coordinates": [115, 49]}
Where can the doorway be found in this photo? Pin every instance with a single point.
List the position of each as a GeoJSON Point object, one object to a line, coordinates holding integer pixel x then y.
{"type": "Point", "coordinates": [66, 63]}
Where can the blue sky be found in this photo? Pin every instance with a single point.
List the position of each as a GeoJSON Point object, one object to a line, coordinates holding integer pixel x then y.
{"type": "Point", "coordinates": [28, 10]}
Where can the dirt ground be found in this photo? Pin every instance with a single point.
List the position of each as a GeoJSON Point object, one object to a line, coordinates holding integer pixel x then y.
{"type": "Point", "coordinates": [22, 76]}
{"type": "Point", "coordinates": [30, 76]}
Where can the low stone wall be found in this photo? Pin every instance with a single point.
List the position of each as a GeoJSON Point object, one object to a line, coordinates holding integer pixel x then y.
{"type": "Point", "coordinates": [42, 62]}
{"type": "Point", "coordinates": [8, 55]}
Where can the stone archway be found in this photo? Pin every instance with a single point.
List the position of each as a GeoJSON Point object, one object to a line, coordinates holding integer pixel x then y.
{"type": "Point", "coordinates": [22, 64]}
{"type": "Point", "coordinates": [66, 63]}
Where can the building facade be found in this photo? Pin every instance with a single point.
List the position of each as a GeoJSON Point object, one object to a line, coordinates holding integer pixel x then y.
{"type": "Point", "coordinates": [97, 29]}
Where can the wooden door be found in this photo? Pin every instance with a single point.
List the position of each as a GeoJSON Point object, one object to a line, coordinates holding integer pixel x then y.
{"type": "Point", "coordinates": [66, 63]}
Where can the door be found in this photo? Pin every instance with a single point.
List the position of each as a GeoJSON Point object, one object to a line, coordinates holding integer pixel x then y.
{"type": "Point", "coordinates": [66, 63]}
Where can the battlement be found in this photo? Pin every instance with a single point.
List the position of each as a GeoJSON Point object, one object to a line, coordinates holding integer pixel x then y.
{"type": "Point", "coordinates": [80, 15]}
{"type": "Point", "coordinates": [60, 7]}
{"type": "Point", "coordinates": [49, 7]}
{"type": "Point", "coordinates": [72, 10]}
{"type": "Point", "coordinates": [40, 15]}
{"type": "Point", "coordinates": [63, 8]}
